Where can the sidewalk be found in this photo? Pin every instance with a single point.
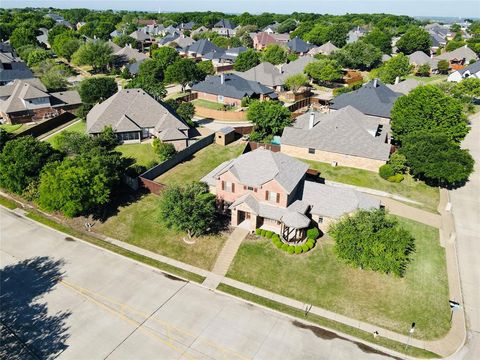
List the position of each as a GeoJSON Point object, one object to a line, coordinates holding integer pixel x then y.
{"type": "Point", "coordinates": [444, 347]}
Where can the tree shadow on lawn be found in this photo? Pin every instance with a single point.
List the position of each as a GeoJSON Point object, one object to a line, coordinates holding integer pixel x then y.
{"type": "Point", "coordinates": [26, 326]}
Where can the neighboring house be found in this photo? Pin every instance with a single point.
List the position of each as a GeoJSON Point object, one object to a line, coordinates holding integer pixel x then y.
{"type": "Point", "coordinates": [202, 47]}
{"type": "Point", "coordinates": [24, 101]}
{"type": "Point", "coordinates": [296, 66]}
{"type": "Point", "coordinates": [437, 42]}
{"type": "Point", "coordinates": [43, 38]}
{"type": "Point", "coordinates": [405, 86]}
{"type": "Point", "coordinates": [271, 29]}
{"type": "Point", "coordinates": [186, 26]}
{"type": "Point", "coordinates": [169, 38]}
{"type": "Point", "coordinates": [184, 42]}
{"type": "Point", "coordinates": [199, 30]}
{"type": "Point", "coordinates": [79, 25]}
{"type": "Point", "coordinates": [230, 55]}
{"type": "Point", "coordinates": [346, 137]}
{"type": "Point", "coordinates": [355, 34]}
{"type": "Point", "coordinates": [127, 55]}
{"type": "Point", "coordinates": [440, 30]}
{"type": "Point", "coordinates": [140, 36]}
{"type": "Point", "coordinates": [225, 27]}
{"type": "Point", "coordinates": [458, 57]}
{"type": "Point", "coordinates": [134, 115]}
{"type": "Point", "coordinates": [268, 190]}
{"type": "Point", "coordinates": [373, 98]}
{"type": "Point", "coordinates": [326, 49]}
{"type": "Point", "coordinates": [266, 74]}
{"type": "Point", "coordinates": [231, 89]}
{"type": "Point", "coordinates": [115, 33]}
{"type": "Point", "coordinates": [298, 46]}
{"type": "Point", "coordinates": [12, 68]}
{"type": "Point", "coordinates": [472, 70]}
{"type": "Point", "coordinates": [419, 58]}
{"type": "Point", "coordinates": [59, 20]}
{"type": "Point", "coordinates": [115, 48]}
{"type": "Point", "coordinates": [281, 39]}
{"type": "Point", "coordinates": [146, 22]}
{"type": "Point", "coordinates": [262, 39]}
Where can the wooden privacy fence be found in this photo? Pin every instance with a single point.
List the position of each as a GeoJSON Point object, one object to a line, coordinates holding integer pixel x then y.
{"type": "Point", "coordinates": [47, 125]}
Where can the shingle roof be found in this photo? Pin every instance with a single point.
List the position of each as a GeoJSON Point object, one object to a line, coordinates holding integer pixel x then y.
{"type": "Point", "coordinates": [260, 166]}
{"type": "Point", "coordinates": [132, 109]}
{"type": "Point", "coordinates": [139, 35]}
{"type": "Point", "coordinates": [325, 49]}
{"type": "Point", "coordinates": [373, 98]}
{"type": "Point", "coordinates": [463, 52]}
{"type": "Point", "coordinates": [225, 23]}
{"type": "Point", "coordinates": [297, 66]}
{"type": "Point", "coordinates": [298, 45]}
{"type": "Point", "coordinates": [472, 68]}
{"type": "Point", "coordinates": [16, 70]}
{"type": "Point", "coordinates": [420, 58]}
{"type": "Point", "coordinates": [20, 90]}
{"type": "Point", "coordinates": [265, 73]}
{"type": "Point", "coordinates": [71, 97]}
{"type": "Point", "coordinates": [202, 47]}
{"type": "Point", "coordinates": [127, 53]}
{"type": "Point", "coordinates": [346, 131]}
{"type": "Point", "coordinates": [168, 39]}
{"type": "Point", "coordinates": [187, 26]}
{"type": "Point", "coordinates": [233, 86]}
{"type": "Point", "coordinates": [264, 39]}
{"type": "Point", "coordinates": [333, 202]}
{"type": "Point", "coordinates": [405, 86]}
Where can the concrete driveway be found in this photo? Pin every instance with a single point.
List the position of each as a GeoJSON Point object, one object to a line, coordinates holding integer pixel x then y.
{"type": "Point", "coordinates": [466, 212]}
{"type": "Point", "coordinates": [62, 297]}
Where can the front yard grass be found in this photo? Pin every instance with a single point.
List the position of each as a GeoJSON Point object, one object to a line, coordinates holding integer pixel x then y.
{"type": "Point", "coordinates": [320, 279]}
{"type": "Point", "coordinates": [138, 224]}
{"type": "Point", "coordinates": [142, 153]}
{"type": "Point", "coordinates": [409, 187]}
{"type": "Point", "coordinates": [200, 164]}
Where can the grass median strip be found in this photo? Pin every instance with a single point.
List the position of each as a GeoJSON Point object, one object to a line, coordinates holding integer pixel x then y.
{"type": "Point", "coordinates": [327, 323]}
{"type": "Point", "coordinates": [9, 204]}
{"type": "Point", "coordinates": [117, 249]}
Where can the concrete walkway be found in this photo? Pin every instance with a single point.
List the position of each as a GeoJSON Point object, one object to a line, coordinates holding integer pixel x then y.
{"type": "Point", "coordinates": [225, 257]}
{"type": "Point", "coordinates": [444, 347]}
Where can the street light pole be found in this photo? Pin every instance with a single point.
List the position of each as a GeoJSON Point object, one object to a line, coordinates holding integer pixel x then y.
{"type": "Point", "coordinates": [410, 334]}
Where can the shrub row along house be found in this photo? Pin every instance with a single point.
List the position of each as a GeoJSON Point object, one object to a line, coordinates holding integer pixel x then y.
{"type": "Point", "coordinates": [134, 115]}
{"type": "Point", "coordinates": [27, 100]}
{"type": "Point", "coordinates": [268, 190]}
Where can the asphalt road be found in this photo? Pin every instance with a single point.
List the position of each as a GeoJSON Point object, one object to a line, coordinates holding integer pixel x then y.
{"type": "Point", "coordinates": [62, 297]}
{"type": "Point", "coordinates": [466, 212]}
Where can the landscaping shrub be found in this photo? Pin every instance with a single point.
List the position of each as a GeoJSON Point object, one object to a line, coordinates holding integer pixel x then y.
{"type": "Point", "coordinates": [305, 248]}
{"type": "Point", "coordinates": [285, 247]}
{"type": "Point", "coordinates": [278, 244]}
{"type": "Point", "coordinates": [396, 178]}
{"type": "Point", "coordinates": [291, 249]}
{"type": "Point", "coordinates": [268, 234]}
{"type": "Point", "coordinates": [313, 233]}
{"type": "Point", "coordinates": [263, 233]}
{"type": "Point", "coordinates": [386, 171]}
{"type": "Point", "coordinates": [276, 237]}
{"type": "Point", "coordinates": [298, 249]}
{"type": "Point", "coordinates": [398, 162]}
{"type": "Point", "coordinates": [258, 231]}
{"type": "Point", "coordinates": [310, 245]}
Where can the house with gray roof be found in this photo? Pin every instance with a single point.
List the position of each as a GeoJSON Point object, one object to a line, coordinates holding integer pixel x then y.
{"type": "Point", "coordinates": [269, 190]}
{"type": "Point", "coordinates": [405, 86]}
{"type": "Point", "coordinates": [140, 36]}
{"type": "Point", "coordinates": [373, 98]}
{"type": "Point", "coordinates": [202, 47]}
{"type": "Point", "coordinates": [27, 100]}
{"type": "Point", "coordinates": [419, 58]}
{"type": "Point", "coordinates": [472, 70]}
{"type": "Point", "coordinates": [355, 34]}
{"type": "Point", "coordinates": [461, 56]}
{"type": "Point", "coordinates": [296, 66]}
{"type": "Point", "coordinates": [186, 26]}
{"type": "Point", "coordinates": [326, 49]}
{"type": "Point", "coordinates": [231, 89]}
{"type": "Point", "coordinates": [128, 55]}
{"type": "Point", "coordinates": [298, 46]}
{"type": "Point", "coordinates": [169, 38]}
{"type": "Point", "coordinates": [225, 27]}
{"type": "Point", "coordinates": [13, 68]}
{"type": "Point", "coordinates": [266, 74]}
{"type": "Point", "coordinates": [134, 115]}
{"type": "Point", "coordinates": [346, 137]}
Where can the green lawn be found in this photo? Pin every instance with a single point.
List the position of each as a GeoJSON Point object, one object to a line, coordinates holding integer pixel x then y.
{"type": "Point", "coordinates": [10, 128]}
{"type": "Point", "coordinates": [78, 127]}
{"type": "Point", "coordinates": [210, 104]}
{"type": "Point", "coordinates": [138, 224]}
{"type": "Point", "coordinates": [430, 79]}
{"type": "Point", "coordinates": [409, 188]}
{"type": "Point", "coordinates": [142, 153]}
{"type": "Point", "coordinates": [319, 278]}
{"type": "Point", "coordinates": [200, 164]}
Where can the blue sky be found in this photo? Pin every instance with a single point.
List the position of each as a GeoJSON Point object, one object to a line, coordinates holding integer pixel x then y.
{"type": "Point", "coordinates": [460, 8]}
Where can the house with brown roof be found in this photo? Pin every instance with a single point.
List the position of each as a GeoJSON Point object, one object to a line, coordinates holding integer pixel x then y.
{"type": "Point", "coordinates": [134, 115]}
{"type": "Point", "coordinates": [262, 39]}
{"type": "Point", "coordinates": [269, 190]}
{"type": "Point", "coordinates": [27, 100]}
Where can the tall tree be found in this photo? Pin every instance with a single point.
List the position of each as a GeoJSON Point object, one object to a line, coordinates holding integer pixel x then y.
{"type": "Point", "coordinates": [358, 55]}
{"type": "Point", "coordinates": [269, 117]}
{"type": "Point", "coordinates": [380, 39]}
{"type": "Point", "coordinates": [97, 89]}
{"type": "Point", "coordinates": [415, 39]}
{"type": "Point", "coordinates": [397, 66]}
{"type": "Point", "coordinates": [295, 82]}
{"type": "Point", "coordinates": [165, 56]}
{"type": "Point", "coordinates": [97, 54]}
{"type": "Point", "coordinates": [22, 36]}
{"type": "Point", "coordinates": [324, 71]}
{"type": "Point", "coordinates": [274, 54]}
{"type": "Point", "coordinates": [182, 71]}
{"type": "Point", "coordinates": [246, 60]}
{"type": "Point", "coordinates": [65, 45]}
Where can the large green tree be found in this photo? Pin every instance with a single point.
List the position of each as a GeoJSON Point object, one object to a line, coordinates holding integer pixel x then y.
{"type": "Point", "coordinates": [373, 240]}
{"type": "Point", "coordinates": [324, 71]}
{"type": "Point", "coordinates": [65, 45]}
{"type": "Point", "coordinates": [397, 66]}
{"type": "Point", "coordinates": [428, 108]}
{"type": "Point", "coordinates": [97, 54]}
{"type": "Point", "coordinates": [295, 82]}
{"type": "Point", "coordinates": [189, 208]}
{"type": "Point", "coordinates": [21, 161]}
{"type": "Point", "coordinates": [22, 36]}
{"type": "Point", "coordinates": [165, 56]}
{"type": "Point", "coordinates": [380, 39]}
{"type": "Point", "coordinates": [182, 71]}
{"type": "Point", "coordinates": [269, 117]}
{"type": "Point", "coordinates": [246, 60]}
{"type": "Point", "coordinates": [415, 39]}
{"type": "Point", "coordinates": [274, 54]}
{"type": "Point", "coordinates": [432, 156]}
{"type": "Point", "coordinates": [97, 89]}
{"type": "Point", "coordinates": [358, 55]}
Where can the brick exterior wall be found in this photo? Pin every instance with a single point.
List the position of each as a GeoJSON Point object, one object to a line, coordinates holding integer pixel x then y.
{"type": "Point", "coordinates": [328, 157]}
{"type": "Point", "coordinates": [214, 98]}
{"type": "Point", "coordinates": [233, 116]}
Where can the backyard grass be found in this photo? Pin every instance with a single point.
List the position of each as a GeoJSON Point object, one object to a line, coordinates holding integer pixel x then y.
{"type": "Point", "coordinates": [210, 104]}
{"type": "Point", "coordinates": [432, 79]}
{"type": "Point", "coordinates": [200, 164]}
{"type": "Point", "coordinates": [78, 127]}
{"type": "Point", "coordinates": [10, 128]}
{"type": "Point", "coordinates": [138, 224]}
{"type": "Point", "coordinates": [324, 322]}
{"type": "Point", "coordinates": [318, 278]}
{"type": "Point", "coordinates": [409, 187]}
{"type": "Point", "coordinates": [142, 153]}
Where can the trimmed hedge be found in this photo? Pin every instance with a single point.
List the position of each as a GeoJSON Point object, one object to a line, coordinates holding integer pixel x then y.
{"type": "Point", "coordinates": [298, 249]}
{"type": "Point", "coordinates": [396, 178]}
{"type": "Point", "coordinates": [285, 247]}
{"type": "Point", "coordinates": [269, 234]}
{"type": "Point", "coordinates": [258, 231]}
{"type": "Point", "coordinates": [313, 233]}
{"type": "Point", "coordinates": [386, 171]}
{"type": "Point", "coordinates": [291, 249]}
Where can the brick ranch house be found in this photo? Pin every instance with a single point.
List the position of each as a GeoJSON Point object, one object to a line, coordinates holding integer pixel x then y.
{"type": "Point", "coordinates": [25, 101]}
{"type": "Point", "coordinates": [231, 89]}
{"type": "Point", "coordinates": [268, 190]}
{"type": "Point", "coordinates": [134, 115]}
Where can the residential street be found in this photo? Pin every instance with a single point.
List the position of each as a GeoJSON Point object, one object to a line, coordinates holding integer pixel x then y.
{"type": "Point", "coordinates": [64, 297]}
{"type": "Point", "coordinates": [466, 211]}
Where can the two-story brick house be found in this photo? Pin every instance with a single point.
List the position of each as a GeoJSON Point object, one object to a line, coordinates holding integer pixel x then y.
{"type": "Point", "coordinates": [263, 189]}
